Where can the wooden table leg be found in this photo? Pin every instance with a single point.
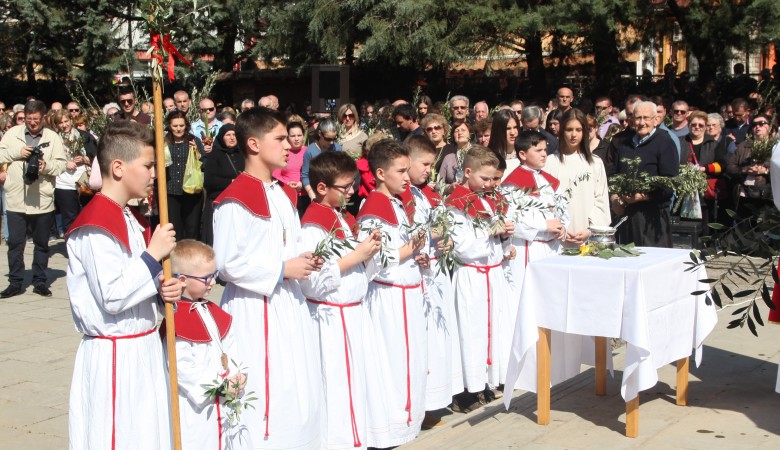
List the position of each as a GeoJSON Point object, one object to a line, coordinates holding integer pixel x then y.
{"type": "Point", "coordinates": [601, 365]}
{"type": "Point", "coordinates": [682, 381]}
{"type": "Point", "coordinates": [632, 418]}
{"type": "Point", "coordinates": [543, 377]}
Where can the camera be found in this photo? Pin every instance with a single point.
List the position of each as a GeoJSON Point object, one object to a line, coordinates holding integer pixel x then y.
{"type": "Point", "coordinates": [34, 164]}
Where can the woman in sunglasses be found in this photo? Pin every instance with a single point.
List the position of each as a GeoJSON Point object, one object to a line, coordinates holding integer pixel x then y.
{"type": "Point", "coordinates": [437, 129]}
{"type": "Point", "coordinates": [752, 176]}
{"type": "Point", "coordinates": [352, 137]}
{"type": "Point", "coordinates": [709, 156]}
{"type": "Point", "coordinates": [324, 140]}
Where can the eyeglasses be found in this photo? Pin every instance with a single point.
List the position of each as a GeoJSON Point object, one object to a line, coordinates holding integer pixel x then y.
{"type": "Point", "coordinates": [74, 110]}
{"type": "Point", "coordinates": [458, 107]}
{"type": "Point", "coordinates": [434, 128]}
{"type": "Point", "coordinates": [680, 111]}
{"type": "Point", "coordinates": [697, 125]}
{"type": "Point", "coordinates": [207, 109]}
{"type": "Point", "coordinates": [348, 116]}
{"type": "Point", "coordinates": [206, 280]}
{"type": "Point", "coordinates": [343, 188]}
{"type": "Point", "coordinates": [127, 101]}
{"type": "Point", "coordinates": [601, 108]}
{"type": "Point", "coordinates": [20, 118]}
{"type": "Point", "coordinates": [760, 124]}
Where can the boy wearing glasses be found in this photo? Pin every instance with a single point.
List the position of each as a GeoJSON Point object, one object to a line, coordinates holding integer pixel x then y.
{"type": "Point", "coordinates": [259, 254]}
{"type": "Point", "coordinates": [335, 295]}
{"type": "Point", "coordinates": [118, 397]}
{"type": "Point", "coordinates": [395, 331]}
{"type": "Point", "coordinates": [205, 353]}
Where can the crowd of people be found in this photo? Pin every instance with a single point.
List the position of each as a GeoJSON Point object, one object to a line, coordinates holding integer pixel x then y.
{"type": "Point", "coordinates": [372, 258]}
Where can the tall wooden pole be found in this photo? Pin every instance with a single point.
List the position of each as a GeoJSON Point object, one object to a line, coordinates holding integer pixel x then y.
{"type": "Point", "coordinates": [162, 204]}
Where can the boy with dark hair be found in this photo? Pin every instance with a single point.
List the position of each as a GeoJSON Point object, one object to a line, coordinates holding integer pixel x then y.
{"type": "Point", "coordinates": [260, 257]}
{"type": "Point", "coordinates": [337, 291]}
{"type": "Point", "coordinates": [445, 374]}
{"type": "Point", "coordinates": [480, 236]}
{"type": "Point", "coordinates": [395, 330]}
{"type": "Point", "coordinates": [113, 283]}
{"type": "Point", "coordinates": [206, 355]}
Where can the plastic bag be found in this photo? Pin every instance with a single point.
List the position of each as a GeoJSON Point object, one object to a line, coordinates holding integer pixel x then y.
{"type": "Point", "coordinates": [193, 174]}
{"type": "Point", "coordinates": [691, 207]}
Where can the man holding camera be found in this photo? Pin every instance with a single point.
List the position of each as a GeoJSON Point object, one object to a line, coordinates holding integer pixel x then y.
{"type": "Point", "coordinates": [30, 194]}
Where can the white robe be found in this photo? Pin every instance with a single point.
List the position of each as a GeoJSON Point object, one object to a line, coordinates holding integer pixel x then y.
{"type": "Point", "coordinates": [445, 371]}
{"type": "Point", "coordinates": [198, 364]}
{"type": "Point", "coordinates": [112, 293]}
{"type": "Point", "coordinates": [345, 392]}
{"type": "Point", "coordinates": [250, 252]}
{"type": "Point", "coordinates": [386, 345]}
{"type": "Point", "coordinates": [474, 246]}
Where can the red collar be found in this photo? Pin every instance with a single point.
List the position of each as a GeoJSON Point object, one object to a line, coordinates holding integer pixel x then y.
{"type": "Point", "coordinates": [433, 197]}
{"type": "Point", "coordinates": [250, 193]}
{"type": "Point", "coordinates": [524, 179]}
{"type": "Point", "coordinates": [190, 326]}
{"type": "Point", "coordinates": [106, 214]}
{"type": "Point", "coordinates": [327, 218]}
{"type": "Point", "coordinates": [380, 206]}
{"type": "Point", "coordinates": [463, 199]}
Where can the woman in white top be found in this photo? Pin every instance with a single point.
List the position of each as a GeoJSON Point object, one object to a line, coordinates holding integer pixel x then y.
{"type": "Point", "coordinates": [582, 176]}
{"type": "Point", "coordinates": [66, 194]}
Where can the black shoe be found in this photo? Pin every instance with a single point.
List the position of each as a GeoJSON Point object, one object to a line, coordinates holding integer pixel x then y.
{"type": "Point", "coordinates": [42, 291]}
{"type": "Point", "coordinates": [11, 291]}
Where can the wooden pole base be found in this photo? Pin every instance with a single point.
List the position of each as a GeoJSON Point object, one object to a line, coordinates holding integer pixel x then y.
{"type": "Point", "coordinates": [543, 377]}
{"type": "Point", "coordinates": [682, 381]}
{"type": "Point", "coordinates": [601, 365]}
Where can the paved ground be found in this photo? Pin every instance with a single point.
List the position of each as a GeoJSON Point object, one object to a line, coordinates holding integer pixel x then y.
{"type": "Point", "coordinates": [732, 399]}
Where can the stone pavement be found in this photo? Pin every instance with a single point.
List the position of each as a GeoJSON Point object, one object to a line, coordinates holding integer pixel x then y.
{"type": "Point", "coordinates": [731, 396]}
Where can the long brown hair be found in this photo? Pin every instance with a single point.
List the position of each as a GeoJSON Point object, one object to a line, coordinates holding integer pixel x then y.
{"type": "Point", "coordinates": [579, 116]}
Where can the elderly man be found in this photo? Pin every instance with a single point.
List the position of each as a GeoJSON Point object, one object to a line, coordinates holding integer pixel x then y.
{"type": "Point", "coordinates": [459, 105]}
{"type": "Point", "coordinates": [74, 109]}
{"type": "Point", "coordinates": [182, 100]}
{"type": "Point", "coordinates": [269, 101]}
{"type": "Point", "coordinates": [481, 111]}
{"type": "Point", "coordinates": [649, 221]}
{"type": "Point", "coordinates": [30, 197]}
{"type": "Point", "coordinates": [202, 130]}
{"type": "Point", "coordinates": [531, 119]}
{"type": "Point", "coordinates": [247, 104]}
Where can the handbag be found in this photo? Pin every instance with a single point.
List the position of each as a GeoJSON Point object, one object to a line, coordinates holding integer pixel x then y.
{"type": "Point", "coordinates": [82, 184]}
{"type": "Point", "coordinates": [193, 174]}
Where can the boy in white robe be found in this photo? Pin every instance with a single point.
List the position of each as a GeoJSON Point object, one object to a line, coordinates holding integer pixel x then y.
{"type": "Point", "coordinates": [481, 242]}
{"type": "Point", "coordinates": [260, 257]}
{"type": "Point", "coordinates": [395, 334]}
{"type": "Point", "coordinates": [335, 295]}
{"type": "Point", "coordinates": [119, 394]}
{"type": "Point", "coordinates": [205, 355]}
{"type": "Point", "coordinates": [534, 205]}
{"type": "Point", "coordinates": [445, 373]}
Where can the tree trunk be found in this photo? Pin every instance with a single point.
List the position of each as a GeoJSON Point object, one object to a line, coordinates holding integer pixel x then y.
{"type": "Point", "coordinates": [32, 85]}
{"type": "Point", "coordinates": [606, 56]}
{"type": "Point", "coordinates": [535, 59]}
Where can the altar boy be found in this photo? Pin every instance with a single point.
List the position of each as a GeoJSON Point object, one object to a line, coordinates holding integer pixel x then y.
{"type": "Point", "coordinates": [118, 397]}
{"type": "Point", "coordinates": [534, 205]}
{"type": "Point", "coordinates": [259, 255]}
{"type": "Point", "coordinates": [335, 295]}
{"type": "Point", "coordinates": [395, 335]}
{"type": "Point", "coordinates": [481, 241]}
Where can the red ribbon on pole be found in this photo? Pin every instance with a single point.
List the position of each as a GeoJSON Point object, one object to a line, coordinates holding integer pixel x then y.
{"type": "Point", "coordinates": [164, 45]}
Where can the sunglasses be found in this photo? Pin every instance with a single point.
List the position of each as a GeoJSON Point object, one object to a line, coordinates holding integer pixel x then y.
{"type": "Point", "coordinates": [206, 280]}
{"type": "Point", "coordinates": [207, 109]}
{"type": "Point", "coordinates": [760, 124]}
{"type": "Point", "coordinates": [348, 116]}
{"type": "Point", "coordinates": [128, 101]}
{"type": "Point", "coordinates": [327, 139]}
{"type": "Point", "coordinates": [680, 111]}
{"type": "Point", "coordinates": [458, 107]}
{"type": "Point", "coordinates": [20, 119]}
{"type": "Point", "coordinates": [434, 128]}
{"type": "Point", "coordinates": [74, 110]}
{"type": "Point", "coordinates": [697, 125]}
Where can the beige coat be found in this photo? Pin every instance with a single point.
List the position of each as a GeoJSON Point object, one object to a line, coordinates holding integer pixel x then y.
{"type": "Point", "coordinates": [36, 198]}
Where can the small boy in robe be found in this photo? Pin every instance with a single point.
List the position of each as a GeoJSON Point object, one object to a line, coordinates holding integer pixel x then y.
{"type": "Point", "coordinates": [257, 242]}
{"type": "Point", "coordinates": [395, 334]}
{"type": "Point", "coordinates": [118, 397]}
{"type": "Point", "coordinates": [335, 295]}
{"type": "Point", "coordinates": [481, 237]}
{"type": "Point", "coordinates": [539, 214]}
{"type": "Point", "coordinates": [205, 355]}
{"type": "Point", "coordinates": [445, 373]}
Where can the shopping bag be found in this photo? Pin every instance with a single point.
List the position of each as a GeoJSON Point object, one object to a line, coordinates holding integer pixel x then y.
{"type": "Point", "coordinates": [691, 207]}
{"type": "Point", "coordinates": [193, 174]}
